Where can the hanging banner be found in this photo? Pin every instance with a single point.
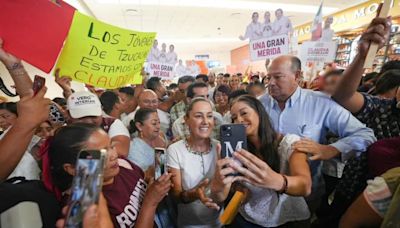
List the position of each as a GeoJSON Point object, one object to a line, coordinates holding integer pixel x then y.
{"type": "Point", "coordinates": [322, 52]}
{"type": "Point", "coordinates": [267, 48]}
{"type": "Point", "coordinates": [103, 55]}
{"type": "Point", "coordinates": [35, 30]}
{"type": "Point", "coordinates": [161, 70]}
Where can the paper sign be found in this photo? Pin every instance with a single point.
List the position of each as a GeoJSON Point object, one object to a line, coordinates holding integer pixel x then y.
{"type": "Point", "coordinates": [321, 52]}
{"type": "Point", "coordinates": [267, 48]}
{"type": "Point", "coordinates": [103, 55]}
{"type": "Point", "coordinates": [161, 70]}
{"type": "Point", "coordinates": [35, 30]}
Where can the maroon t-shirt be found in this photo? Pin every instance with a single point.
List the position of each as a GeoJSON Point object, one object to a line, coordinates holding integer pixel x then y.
{"type": "Point", "coordinates": [383, 155]}
{"type": "Point", "coordinates": [125, 195]}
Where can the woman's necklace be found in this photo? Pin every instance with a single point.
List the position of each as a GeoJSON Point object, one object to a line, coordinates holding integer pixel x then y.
{"type": "Point", "coordinates": [200, 153]}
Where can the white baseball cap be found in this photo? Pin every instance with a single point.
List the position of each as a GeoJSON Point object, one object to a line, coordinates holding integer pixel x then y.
{"type": "Point", "coordinates": [82, 104]}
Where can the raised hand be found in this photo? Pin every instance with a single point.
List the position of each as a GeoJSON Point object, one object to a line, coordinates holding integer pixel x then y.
{"type": "Point", "coordinates": [255, 171]}
{"type": "Point", "coordinates": [158, 189]}
{"type": "Point", "coordinates": [377, 32]}
{"type": "Point", "coordinates": [201, 191]}
{"type": "Point", "coordinates": [319, 151]}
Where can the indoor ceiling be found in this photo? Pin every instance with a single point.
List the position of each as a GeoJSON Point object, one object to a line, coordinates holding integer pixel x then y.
{"type": "Point", "coordinates": [203, 26]}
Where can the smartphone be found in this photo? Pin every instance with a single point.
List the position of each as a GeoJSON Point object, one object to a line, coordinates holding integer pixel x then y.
{"type": "Point", "coordinates": [159, 162]}
{"type": "Point", "coordinates": [232, 137]}
{"type": "Point", "coordinates": [86, 185]}
{"type": "Point", "coordinates": [38, 84]}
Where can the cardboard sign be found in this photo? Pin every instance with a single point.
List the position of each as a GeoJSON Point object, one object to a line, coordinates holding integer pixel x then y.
{"type": "Point", "coordinates": [35, 30]}
{"type": "Point", "coordinates": [268, 48]}
{"type": "Point", "coordinates": [103, 55]}
{"type": "Point", "coordinates": [321, 52]}
{"type": "Point", "coordinates": [161, 70]}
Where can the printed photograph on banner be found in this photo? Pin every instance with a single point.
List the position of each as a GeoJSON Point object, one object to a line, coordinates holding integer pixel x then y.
{"type": "Point", "coordinates": [104, 55]}
{"type": "Point", "coordinates": [161, 63]}
{"type": "Point", "coordinates": [314, 55]}
{"type": "Point", "coordinates": [257, 30]}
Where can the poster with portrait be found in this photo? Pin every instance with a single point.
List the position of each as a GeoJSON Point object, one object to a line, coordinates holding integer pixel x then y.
{"type": "Point", "coordinates": [161, 62]}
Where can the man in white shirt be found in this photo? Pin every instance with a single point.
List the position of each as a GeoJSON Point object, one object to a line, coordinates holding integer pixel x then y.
{"type": "Point", "coordinates": [282, 24]}
{"type": "Point", "coordinates": [172, 58]}
{"type": "Point", "coordinates": [154, 53]}
{"type": "Point", "coordinates": [148, 99]}
{"type": "Point", "coordinates": [194, 69]}
{"type": "Point", "coordinates": [85, 107]}
{"type": "Point", "coordinates": [253, 30]}
{"type": "Point", "coordinates": [180, 69]}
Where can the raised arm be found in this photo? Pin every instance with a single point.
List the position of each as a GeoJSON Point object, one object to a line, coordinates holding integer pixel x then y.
{"type": "Point", "coordinates": [23, 82]}
{"type": "Point", "coordinates": [32, 110]}
{"type": "Point", "coordinates": [346, 93]}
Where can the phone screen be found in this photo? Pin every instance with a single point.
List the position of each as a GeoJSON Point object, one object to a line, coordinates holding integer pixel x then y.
{"type": "Point", "coordinates": [86, 185]}
{"type": "Point", "coordinates": [159, 162]}
{"type": "Point", "coordinates": [38, 84]}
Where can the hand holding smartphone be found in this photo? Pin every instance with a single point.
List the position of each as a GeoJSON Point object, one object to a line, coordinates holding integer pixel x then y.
{"type": "Point", "coordinates": [233, 138]}
{"type": "Point", "coordinates": [38, 84]}
{"type": "Point", "coordinates": [159, 162]}
{"type": "Point", "coordinates": [86, 185]}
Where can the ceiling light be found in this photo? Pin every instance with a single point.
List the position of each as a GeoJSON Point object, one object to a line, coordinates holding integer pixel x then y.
{"type": "Point", "coordinates": [224, 4]}
{"type": "Point", "coordinates": [132, 12]}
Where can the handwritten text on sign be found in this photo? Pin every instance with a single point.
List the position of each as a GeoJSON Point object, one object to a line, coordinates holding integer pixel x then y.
{"type": "Point", "coordinates": [161, 70]}
{"type": "Point", "coordinates": [322, 52]}
{"type": "Point", "coordinates": [103, 55]}
{"type": "Point", "coordinates": [270, 47]}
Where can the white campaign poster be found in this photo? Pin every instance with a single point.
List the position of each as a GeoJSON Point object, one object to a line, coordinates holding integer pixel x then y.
{"type": "Point", "coordinates": [269, 47]}
{"type": "Point", "coordinates": [161, 70]}
{"type": "Point", "coordinates": [322, 52]}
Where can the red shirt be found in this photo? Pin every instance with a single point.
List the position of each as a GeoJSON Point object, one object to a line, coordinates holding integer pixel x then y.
{"type": "Point", "coordinates": [125, 195]}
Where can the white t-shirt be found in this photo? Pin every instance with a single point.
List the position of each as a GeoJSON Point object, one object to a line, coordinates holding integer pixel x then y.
{"type": "Point", "coordinates": [267, 29]}
{"type": "Point", "coordinates": [172, 58]}
{"type": "Point", "coordinates": [327, 35]}
{"type": "Point", "coordinates": [193, 214]}
{"type": "Point", "coordinates": [253, 31]}
{"type": "Point", "coordinates": [180, 70]}
{"type": "Point", "coordinates": [282, 26]}
{"type": "Point", "coordinates": [163, 57]}
{"type": "Point", "coordinates": [117, 128]}
{"type": "Point", "coordinates": [153, 55]}
{"type": "Point", "coordinates": [27, 166]}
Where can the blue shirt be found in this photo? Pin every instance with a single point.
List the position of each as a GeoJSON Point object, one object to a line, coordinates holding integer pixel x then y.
{"type": "Point", "coordinates": [312, 115]}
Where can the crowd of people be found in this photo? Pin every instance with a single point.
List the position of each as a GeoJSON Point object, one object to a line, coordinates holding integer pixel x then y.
{"type": "Point", "coordinates": [324, 155]}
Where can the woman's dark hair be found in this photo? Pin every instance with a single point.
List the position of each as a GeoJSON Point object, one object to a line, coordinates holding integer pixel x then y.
{"type": "Point", "coordinates": [236, 94]}
{"type": "Point", "coordinates": [10, 106]}
{"type": "Point", "coordinates": [141, 115]}
{"type": "Point", "coordinates": [108, 100]}
{"type": "Point", "coordinates": [194, 101]}
{"type": "Point", "coordinates": [64, 149]}
{"type": "Point", "coordinates": [268, 137]}
{"type": "Point", "coordinates": [387, 81]}
{"type": "Point", "coordinates": [223, 89]}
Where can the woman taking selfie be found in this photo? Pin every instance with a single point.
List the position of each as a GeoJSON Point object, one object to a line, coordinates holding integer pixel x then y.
{"type": "Point", "coordinates": [276, 177]}
{"type": "Point", "coordinates": [122, 182]}
{"type": "Point", "coordinates": [192, 162]}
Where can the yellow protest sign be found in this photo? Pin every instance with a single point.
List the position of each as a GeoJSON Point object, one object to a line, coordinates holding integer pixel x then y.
{"type": "Point", "coordinates": [103, 55]}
